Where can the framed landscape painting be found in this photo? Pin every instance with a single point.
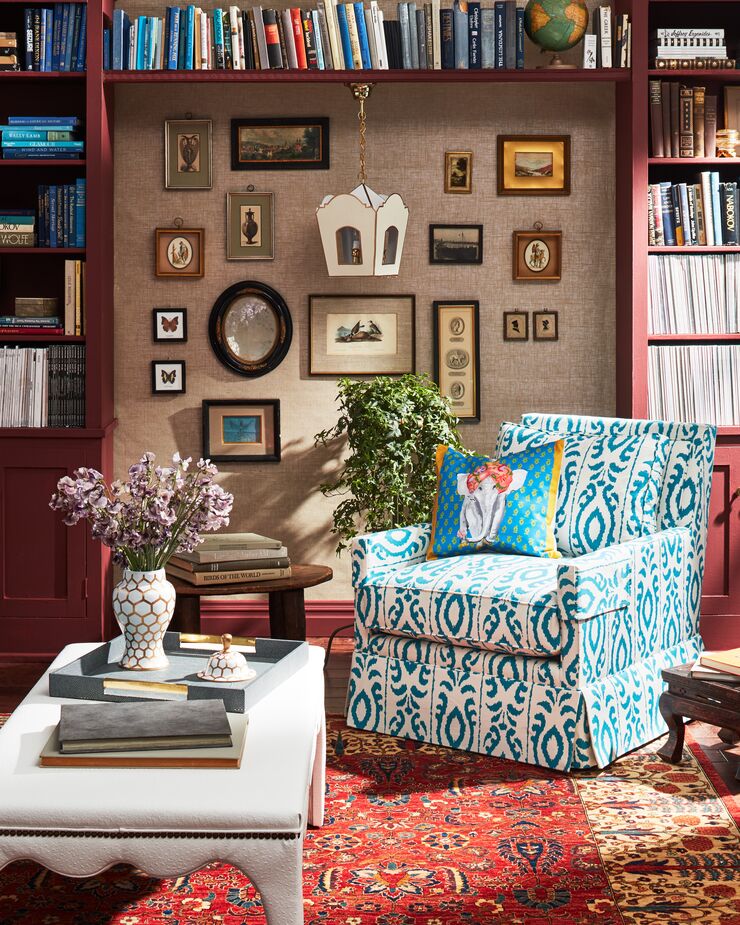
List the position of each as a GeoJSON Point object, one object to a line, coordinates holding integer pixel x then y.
{"type": "Point", "coordinates": [361, 335]}
{"type": "Point", "coordinates": [280, 144]}
{"type": "Point", "coordinates": [241, 430]}
{"type": "Point", "coordinates": [533, 165]}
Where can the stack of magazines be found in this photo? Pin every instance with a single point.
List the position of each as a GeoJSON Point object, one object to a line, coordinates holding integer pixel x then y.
{"type": "Point", "coordinates": [698, 382]}
{"type": "Point", "coordinates": [232, 558]}
{"type": "Point", "coordinates": [694, 293]}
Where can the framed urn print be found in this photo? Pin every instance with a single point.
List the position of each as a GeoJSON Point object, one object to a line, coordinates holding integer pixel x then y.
{"type": "Point", "coordinates": [533, 165]}
{"type": "Point", "coordinates": [188, 154]}
{"type": "Point", "coordinates": [545, 325]}
{"type": "Point", "coordinates": [280, 144]}
{"type": "Point", "coordinates": [516, 326]}
{"type": "Point", "coordinates": [169, 324]}
{"type": "Point", "coordinates": [179, 252]}
{"type": "Point", "coordinates": [537, 255]}
{"type": "Point", "coordinates": [241, 430]}
{"type": "Point", "coordinates": [450, 244]}
{"type": "Point", "coordinates": [250, 226]}
{"type": "Point", "coordinates": [361, 335]}
{"type": "Point", "coordinates": [168, 377]}
{"type": "Point", "coordinates": [458, 171]}
{"type": "Point", "coordinates": [457, 356]}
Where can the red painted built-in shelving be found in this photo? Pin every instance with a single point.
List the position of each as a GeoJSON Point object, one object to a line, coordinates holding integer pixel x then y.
{"type": "Point", "coordinates": [42, 162]}
{"type": "Point", "coordinates": [695, 249]}
{"type": "Point", "coordinates": [25, 251]}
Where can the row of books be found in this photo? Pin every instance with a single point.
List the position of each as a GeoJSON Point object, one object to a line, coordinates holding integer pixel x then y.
{"type": "Point", "coordinates": [42, 137]}
{"type": "Point", "coordinates": [683, 120]}
{"type": "Point", "coordinates": [232, 558]}
{"type": "Point", "coordinates": [698, 382]}
{"type": "Point", "coordinates": [694, 293]}
{"type": "Point", "coordinates": [61, 212]}
{"type": "Point", "coordinates": [678, 48]}
{"type": "Point", "coordinates": [17, 227]}
{"type": "Point", "coordinates": [18, 324]}
{"type": "Point", "coordinates": [691, 214]}
{"type": "Point", "coordinates": [55, 37]}
{"type": "Point", "coordinates": [42, 386]}
{"type": "Point", "coordinates": [9, 51]}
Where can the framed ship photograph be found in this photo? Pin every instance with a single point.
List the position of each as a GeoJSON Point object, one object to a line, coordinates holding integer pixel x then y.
{"type": "Point", "coordinates": [250, 226]}
{"type": "Point", "coordinates": [241, 430]}
{"type": "Point", "coordinates": [537, 255]}
{"type": "Point", "coordinates": [188, 154]}
{"type": "Point", "coordinates": [361, 335]}
{"type": "Point", "coordinates": [458, 171]}
{"type": "Point", "coordinates": [450, 244]}
{"type": "Point", "coordinates": [533, 165]}
{"type": "Point", "coordinates": [179, 252]}
{"type": "Point", "coordinates": [168, 377]}
{"type": "Point", "coordinates": [457, 356]}
{"type": "Point", "coordinates": [280, 144]}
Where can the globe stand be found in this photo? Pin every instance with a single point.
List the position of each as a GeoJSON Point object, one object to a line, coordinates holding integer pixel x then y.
{"type": "Point", "coordinates": [556, 63]}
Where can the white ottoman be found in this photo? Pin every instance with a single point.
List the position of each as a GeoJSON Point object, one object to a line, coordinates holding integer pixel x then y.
{"type": "Point", "coordinates": [79, 821]}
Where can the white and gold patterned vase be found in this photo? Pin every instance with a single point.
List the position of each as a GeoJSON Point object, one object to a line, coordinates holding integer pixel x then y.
{"type": "Point", "coordinates": [143, 604]}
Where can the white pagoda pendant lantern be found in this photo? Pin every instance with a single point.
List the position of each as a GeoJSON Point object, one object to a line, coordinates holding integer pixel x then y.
{"type": "Point", "coordinates": [362, 232]}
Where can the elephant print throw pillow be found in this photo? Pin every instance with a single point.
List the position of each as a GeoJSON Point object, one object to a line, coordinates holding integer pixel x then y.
{"type": "Point", "coordinates": [496, 505]}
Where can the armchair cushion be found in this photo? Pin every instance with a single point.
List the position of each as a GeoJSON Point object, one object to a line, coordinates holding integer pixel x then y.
{"type": "Point", "coordinates": [610, 485]}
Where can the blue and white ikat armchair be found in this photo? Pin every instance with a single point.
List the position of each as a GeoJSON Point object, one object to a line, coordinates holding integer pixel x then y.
{"type": "Point", "coordinates": [556, 662]}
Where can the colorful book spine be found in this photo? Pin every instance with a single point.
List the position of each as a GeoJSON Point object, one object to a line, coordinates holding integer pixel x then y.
{"type": "Point", "coordinates": [519, 30]}
{"type": "Point", "coordinates": [474, 35]}
{"type": "Point", "coordinates": [499, 13]}
{"type": "Point", "coordinates": [362, 35]}
{"type": "Point", "coordinates": [460, 33]}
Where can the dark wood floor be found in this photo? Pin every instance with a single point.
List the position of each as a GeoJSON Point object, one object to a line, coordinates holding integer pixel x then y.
{"type": "Point", "coordinates": [17, 678]}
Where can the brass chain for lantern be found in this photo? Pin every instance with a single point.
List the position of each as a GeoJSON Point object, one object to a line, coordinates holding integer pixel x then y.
{"type": "Point", "coordinates": [361, 92]}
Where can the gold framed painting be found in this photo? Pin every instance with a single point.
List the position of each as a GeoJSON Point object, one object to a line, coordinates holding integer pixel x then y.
{"type": "Point", "coordinates": [458, 171]}
{"type": "Point", "coordinates": [457, 356]}
{"type": "Point", "coordinates": [179, 252]}
{"type": "Point", "coordinates": [280, 144]}
{"type": "Point", "coordinates": [241, 430]}
{"type": "Point", "coordinates": [533, 165]}
{"type": "Point", "coordinates": [188, 154]}
{"type": "Point", "coordinates": [250, 226]}
{"type": "Point", "coordinates": [361, 335]}
{"type": "Point", "coordinates": [537, 256]}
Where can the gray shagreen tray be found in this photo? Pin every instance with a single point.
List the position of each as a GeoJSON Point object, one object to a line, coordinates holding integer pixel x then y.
{"type": "Point", "coordinates": [98, 676]}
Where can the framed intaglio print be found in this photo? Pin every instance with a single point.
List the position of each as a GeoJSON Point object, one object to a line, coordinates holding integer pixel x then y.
{"type": "Point", "coordinates": [280, 144]}
{"type": "Point", "coordinates": [455, 244]}
{"type": "Point", "coordinates": [533, 165]}
{"type": "Point", "coordinates": [545, 325]}
{"type": "Point", "coordinates": [458, 171]}
{"type": "Point", "coordinates": [242, 430]}
{"type": "Point", "coordinates": [169, 324]}
{"type": "Point", "coordinates": [457, 356]}
{"type": "Point", "coordinates": [168, 377]}
{"type": "Point", "coordinates": [250, 226]}
{"type": "Point", "coordinates": [361, 335]}
{"type": "Point", "coordinates": [179, 252]}
{"type": "Point", "coordinates": [188, 154]}
{"type": "Point", "coordinates": [516, 326]}
{"type": "Point", "coordinates": [537, 255]}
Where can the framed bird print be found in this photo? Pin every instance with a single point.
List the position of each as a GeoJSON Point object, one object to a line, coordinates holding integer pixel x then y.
{"type": "Point", "coordinates": [169, 324]}
{"type": "Point", "coordinates": [188, 154]}
{"type": "Point", "coordinates": [168, 377]}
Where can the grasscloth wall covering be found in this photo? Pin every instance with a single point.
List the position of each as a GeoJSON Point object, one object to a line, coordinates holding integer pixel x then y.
{"type": "Point", "coordinates": [410, 127]}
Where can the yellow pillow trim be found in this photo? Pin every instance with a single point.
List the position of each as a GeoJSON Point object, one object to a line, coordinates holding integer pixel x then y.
{"type": "Point", "coordinates": [550, 545]}
{"type": "Point", "coordinates": [439, 458]}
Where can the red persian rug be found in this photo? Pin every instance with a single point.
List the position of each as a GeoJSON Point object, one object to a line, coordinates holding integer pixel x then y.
{"type": "Point", "coordinates": [421, 835]}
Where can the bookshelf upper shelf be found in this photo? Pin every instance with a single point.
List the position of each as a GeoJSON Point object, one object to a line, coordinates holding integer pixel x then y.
{"type": "Point", "coordinates": [396, 76]}
{"type": "Point", "coordinates": [727, 75]}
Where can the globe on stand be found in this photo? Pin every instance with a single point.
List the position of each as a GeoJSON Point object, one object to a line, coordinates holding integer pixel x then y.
{"type": "Point", "coordinates": [556, 26]}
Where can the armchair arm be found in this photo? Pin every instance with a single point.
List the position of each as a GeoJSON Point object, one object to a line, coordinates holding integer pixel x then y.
{"type": "Point", "coordinates": [389, 548]}
{"type": "Point", "coordinates": [625, 603]}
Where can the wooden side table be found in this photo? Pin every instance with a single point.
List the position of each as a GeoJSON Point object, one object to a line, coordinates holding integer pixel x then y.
{"type": "Point", "coordinates": [286, 600]}
{"type": "Point", "coordinates": [714, 702]}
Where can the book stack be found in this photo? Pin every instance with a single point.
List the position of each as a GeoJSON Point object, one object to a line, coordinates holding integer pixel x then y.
{"type": "Point", "coordinates": [694, 214]}
{"type": "Point", "coordinates": [694, 293]}
{"type": "Point", "coordinates": [17, 227]}
{"type": "Point", "coordinates": [698, 383]}
{"type": "Point", "coordinates": [683, 120]}
{"type": "Point", "coordinates": [42, 137]}
{"type": "Point", "coordinates": [56, 38]}
{"type": "Point", "coordinates": [42, 386]}
{"type": "Point", "coordinates": [232, 558]}
{"type": "Point", "coordinates": [62, 215]}
{"type": "Point", "coordinates": [674, 49]}
{"type": "Point", "coordinates": [9, 51]}
{"type": "Point", "coordinates": [12, 324]}
{"type": "Point", "coordinates": [718, 666]}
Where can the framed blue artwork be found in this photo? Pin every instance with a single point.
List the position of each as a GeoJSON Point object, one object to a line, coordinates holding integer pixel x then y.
{"type": "Point", "coordinates": [241, 430]}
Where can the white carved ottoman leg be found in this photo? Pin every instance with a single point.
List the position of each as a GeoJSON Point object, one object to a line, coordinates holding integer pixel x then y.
{"type": "Point", "coordinates": [316, 793]}
{"type": "Point", "coordinates": [278, 875]}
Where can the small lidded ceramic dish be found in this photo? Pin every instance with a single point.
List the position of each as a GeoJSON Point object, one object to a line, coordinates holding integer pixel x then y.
{"type": "Point", "coordinates": [227, 665]}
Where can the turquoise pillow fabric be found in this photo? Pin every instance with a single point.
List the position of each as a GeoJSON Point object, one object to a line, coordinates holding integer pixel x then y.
{"type": "Point", "coordinates": [610, 485]}
{"type": "Point", "coordinates": [502, 505]}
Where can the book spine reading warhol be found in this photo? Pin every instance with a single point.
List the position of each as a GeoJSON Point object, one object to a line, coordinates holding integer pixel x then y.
{"type": "Point", "coordinates": [341, 36]}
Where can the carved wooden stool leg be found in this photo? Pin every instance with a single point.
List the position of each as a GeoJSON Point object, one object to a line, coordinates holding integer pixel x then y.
{"type": "Point", "coordinates": [673, 748]}
{"type": "Point", "coordinates": [729, 736]}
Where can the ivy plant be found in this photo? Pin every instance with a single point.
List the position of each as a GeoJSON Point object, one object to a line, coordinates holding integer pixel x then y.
{"type": "Point", "coordinates": [392, 427]}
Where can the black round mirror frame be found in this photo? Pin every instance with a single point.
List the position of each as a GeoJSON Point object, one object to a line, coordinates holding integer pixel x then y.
{"type": "Point", "coordinates": [216, 328]}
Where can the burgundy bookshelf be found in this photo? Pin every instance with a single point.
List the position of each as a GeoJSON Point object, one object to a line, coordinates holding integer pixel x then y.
{"type": "Point", "coordinates": [42, 163]}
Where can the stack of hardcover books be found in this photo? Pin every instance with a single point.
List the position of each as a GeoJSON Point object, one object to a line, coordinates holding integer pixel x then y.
{"type": "Point", "coordinates": [17, 227]}
{"type": "Point", "coordinates": [56, 38]}
{"type": "Point", "coordinates": [718, 666]}
{"type": "Point", "coordinates": [43, 327]}
{"type": "Point", "coordinates": [9, 51]}
{"type": "Point", "coordinates": [683, 120]}
{"type": "Point", "coordinates": [42, 137]}
{"type": "Point", "coordinates": [232, 558]}
{"type": "Point", "coordinates": [675, 49]}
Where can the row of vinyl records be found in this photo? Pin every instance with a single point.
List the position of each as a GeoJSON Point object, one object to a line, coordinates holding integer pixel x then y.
{"type": "Point", "coordinates": [699, 383]}
{"type": "Point", "coordinates": [689, 214]}
{"type": "Point", "coordinates": [694, 293]}
{"type": "Point", "coordinates": [42, 386]}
